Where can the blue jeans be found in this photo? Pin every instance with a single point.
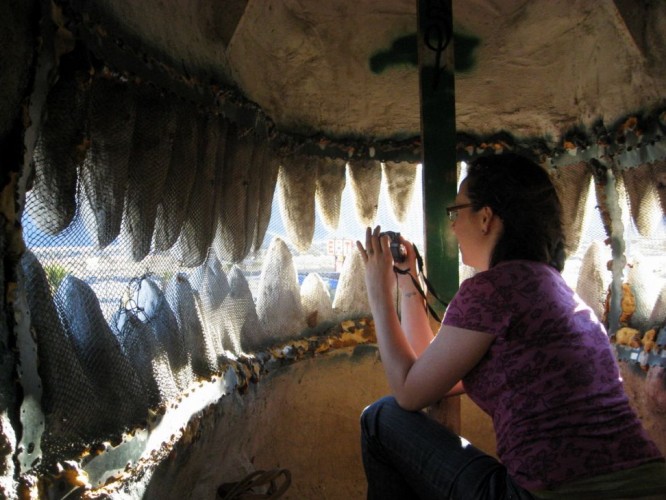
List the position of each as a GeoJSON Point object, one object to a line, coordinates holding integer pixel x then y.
{"type": "Point", "coordinates": [409, 455]}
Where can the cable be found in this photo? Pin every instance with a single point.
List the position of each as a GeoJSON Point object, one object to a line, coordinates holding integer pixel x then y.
{"type": "Point", "coordinates": [417, 285]}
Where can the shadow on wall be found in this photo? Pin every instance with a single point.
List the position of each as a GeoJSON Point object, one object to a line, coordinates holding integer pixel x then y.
{"type": "Point", "coordinates": [304, 417]}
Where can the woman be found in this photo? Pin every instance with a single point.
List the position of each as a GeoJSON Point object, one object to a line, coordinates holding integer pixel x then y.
{"type": "Point", "coordinates": [520, 343]}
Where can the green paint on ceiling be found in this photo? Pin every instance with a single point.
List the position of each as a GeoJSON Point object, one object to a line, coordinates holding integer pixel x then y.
{"type": "Point", "coordinates": [404, 51]}
{"type": "Point", "coordinates": [463, 52]}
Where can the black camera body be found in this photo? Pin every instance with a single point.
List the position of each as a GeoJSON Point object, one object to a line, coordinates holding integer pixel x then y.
{"type": "Point", "coordinates": [397, 249]}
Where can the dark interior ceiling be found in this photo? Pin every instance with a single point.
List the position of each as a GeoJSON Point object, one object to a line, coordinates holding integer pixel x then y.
{"type": "Point", "coordinates": [339, 71]}
{"type": "Point", "coordinates": [532, 68]}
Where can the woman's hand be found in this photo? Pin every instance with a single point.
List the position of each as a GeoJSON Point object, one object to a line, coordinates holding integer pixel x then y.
{"type": "Point", "coordinates": [380, 275]}
{"type": "Point", "coordinates": [376, 254]}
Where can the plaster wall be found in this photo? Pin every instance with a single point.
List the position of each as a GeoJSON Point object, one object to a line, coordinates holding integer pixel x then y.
{"type": "Point", "coordinates": [303, 417]}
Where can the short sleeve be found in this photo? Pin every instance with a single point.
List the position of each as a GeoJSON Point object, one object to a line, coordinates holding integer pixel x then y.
{"type": "Point", "coordinates": [479, 306]}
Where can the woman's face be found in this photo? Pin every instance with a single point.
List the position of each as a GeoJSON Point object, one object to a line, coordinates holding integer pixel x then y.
{"type": "Point", "coordinates": [472, 232]}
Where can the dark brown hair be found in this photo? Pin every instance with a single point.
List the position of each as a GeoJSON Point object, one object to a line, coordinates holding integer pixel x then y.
{"type": "Point", "coordinates": [521, 193]}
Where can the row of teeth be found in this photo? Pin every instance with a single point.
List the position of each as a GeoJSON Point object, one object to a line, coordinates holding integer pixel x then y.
{"type": "Point", "coordinates": [167, 334]}
{"type": "Point", "coordinates": [594, 281]}
{"type": "Point", "coordinates": [170, 179]}
{"type": "Point", "coordinates": [642, 193]}
{"type": "Point", "coordinates": [642, 203]}
{"type": "Point", "coordinates": [173, 179]}
{"type": "Point", "coordinates": [210, 185]}
{"type": "Point", "coordinates": [166, 178]}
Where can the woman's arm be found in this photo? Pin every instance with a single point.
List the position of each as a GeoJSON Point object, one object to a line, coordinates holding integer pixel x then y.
{"type": "Point", "coordinates": [456, 390]}
{"type": "Point", "coordinates": [413, 317]}
{"type": "Point", "coordinates": [416, 323]}
{"type": "Point", "coordinates": [416, 380]}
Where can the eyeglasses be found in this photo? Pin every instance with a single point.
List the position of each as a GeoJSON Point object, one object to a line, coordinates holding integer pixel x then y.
{"type": "Point", "coordinates": [452, 212]}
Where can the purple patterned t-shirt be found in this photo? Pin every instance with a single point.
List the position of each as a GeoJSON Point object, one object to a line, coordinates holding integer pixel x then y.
{"type": "Point", "coordinates": [549, 381]}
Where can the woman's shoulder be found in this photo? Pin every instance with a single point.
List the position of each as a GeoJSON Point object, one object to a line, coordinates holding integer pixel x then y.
{"type": "Point", "coordinates": [513, 276]}
{"type": "Point", "coordinates": [515, 269]}
{"type": "Point", "coordinates": [525, 265]}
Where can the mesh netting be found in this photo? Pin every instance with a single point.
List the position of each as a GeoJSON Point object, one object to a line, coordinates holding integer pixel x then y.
{"type": "Point", "coordinates": [59, 152]}
{"type": "Point", "coordinates": [633, 221]}
{"type": "Point", "coordinates": [198, 228]}
{"type": "Point", "coordinates": [165, 240]}
{"type": "Point", "coordinates": [643, 204]}
{"type": "Point", "coordinates": [111, 117]}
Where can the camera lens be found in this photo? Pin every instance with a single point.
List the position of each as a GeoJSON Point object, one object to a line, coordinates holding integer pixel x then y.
{"type": "Point", "coordinates": [397, 250]}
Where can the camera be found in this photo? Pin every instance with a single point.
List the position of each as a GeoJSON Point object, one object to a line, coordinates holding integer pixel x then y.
{"type": "Point", "coordinates": [397, 249]}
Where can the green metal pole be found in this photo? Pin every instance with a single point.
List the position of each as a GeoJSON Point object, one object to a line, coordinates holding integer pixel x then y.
{"type": "Point", "coordinates": [438, 139]}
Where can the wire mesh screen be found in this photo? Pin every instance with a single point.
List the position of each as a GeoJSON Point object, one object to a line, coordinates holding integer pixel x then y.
{"type": "Point", "coordinates": [615, 226]}
{"type": "Point", "coordinates": [163, 240]}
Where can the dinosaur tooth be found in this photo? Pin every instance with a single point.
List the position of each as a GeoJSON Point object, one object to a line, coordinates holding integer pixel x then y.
{"type": "Point", "coordinates": [316, 300]}
{"type": "Point", "coordinates": [99, 352]}
{"type": "Point", "coordinates": [152, 143]}
{"type": "Point", "coordinates": [296, 185]}
{"type": "Point", "coordinates": [400, 178]}
{"type": "Point", "coordinates": [59, 152]}
{"type": "Point", "coordinates": [183, 302]}
{"type": "Point", "coordinates": [279, 300]}
{"type": "Point", "coordinates": [351, 296]}
{"type": "Point", "coordinates": [171, 210]}
{"type": "Point", "coordinates": [572, 183]}
{"type": "Point", "coordinates": [111, 117]}
{"type": "Point", "coordinates": [643, 199]}
{"type": "Point", "coordinates": [238, 191]}
{"type": "Point", "coordinates": [331, 180]}
{"type": "Point", "coordinates": [593, 277]}
{"type": "Point", "coordinates": [365, 179]}
{"type": "Point", "coordinates": [266, 163]}
{"type": "Point", "coordinates": [196, 236]}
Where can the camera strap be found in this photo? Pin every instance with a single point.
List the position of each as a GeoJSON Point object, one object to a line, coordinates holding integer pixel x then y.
{"type": "Point", "coordinates": [417, 285]}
